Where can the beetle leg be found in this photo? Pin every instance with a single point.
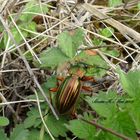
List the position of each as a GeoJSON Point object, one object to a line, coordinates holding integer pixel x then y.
{"type": "Point", "coordinates": [73, 113]}
{"type": "Point", "coordinates": [87, 88]}
{"type": "Point", "coordinates": [60, 78]}
{"type": "Point", "coordinates": [88, 78]}
{"type": "Point", "coordinates": [91, 52]}
{"type": "Point", "coordinates": [53, 89]}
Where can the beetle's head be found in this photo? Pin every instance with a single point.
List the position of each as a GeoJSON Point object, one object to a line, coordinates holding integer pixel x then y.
{"type": "Point", "coordinates": [77, 70]}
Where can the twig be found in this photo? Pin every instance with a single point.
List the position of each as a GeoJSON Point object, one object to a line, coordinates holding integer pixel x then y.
{"type": "Point", "coordinates": [105, 129]}
{"type": "Point", "coordinates": [8, 105]}
{"type": "Point", "coordinates": [39, 108]}
{"type": "Point", "coordinates": [21, 101]}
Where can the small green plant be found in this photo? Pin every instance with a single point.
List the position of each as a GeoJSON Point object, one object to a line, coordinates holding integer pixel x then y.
{"type": "Point", "coordinates": [113, 3]}
{"type": "Point", "coordinates": [67, 52]}
{"type": "Point", "coordinates": [3, 121]}
{"type": "Point", "coordinates": [107, 32]}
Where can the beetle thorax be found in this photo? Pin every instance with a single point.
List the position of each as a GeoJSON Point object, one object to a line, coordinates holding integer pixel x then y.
{"type": "Point", "coordinates": [79, 73]}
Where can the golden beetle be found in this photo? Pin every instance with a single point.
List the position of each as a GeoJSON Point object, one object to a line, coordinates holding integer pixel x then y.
{"type": "Point", "coordinates": [69, 90]}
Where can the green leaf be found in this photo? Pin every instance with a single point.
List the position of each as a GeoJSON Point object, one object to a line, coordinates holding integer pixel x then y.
{"type": "Point", "coordinates": [2, 45]}
{"type": "Point", "coordinates": [134, 110]}
{"type": "Point", "coordinates": [106, 136]}
{"type": "Point", "coordinates": [99, 65]}
{"type": "Point", "coordinates": [113, 3]}
{"type": "Point", "coordinates": [33, 112]}
{"type": "Point", "coordinates": [97, 72]}
{"type": "Point", "coordinates": [3, 135]}
{"type": "Point", "coordinates": [112, 52]}
{"type": "Point", "coordinates": [103, 104]}
{"type": "Point", "coordinates": [139, 5]}
{"type": "Point", "coordinates": [78, 38]}
{"type": "Point", "coordinates": [31, 26]}
{"type": "Point", "coordinates": [17, 35]}
{"type": "Point", "coordinates": [51, 82]}
{"type": "Point", "coordinates": [34, 7]}
{"type": "Point", "coordinates": [69, 43]}
{"type": "Point", "coordinates": [56, 127]}
{"type": "Point", "coordinates": [131, 83]}
{"type": "Point", "coordinates": [94, 60]}
{"type": "Point", "coordinates": [97, 42]}
{"type": "Point", "coordinates": [52, 58]}
{"type": "Point", "coordinates": [1, 27]}
{"type": "Point", "coordinates": [3, 121]}
{"type": "Point", "coordinates": [122, 123]}
{"type": "Point", "coordinates": [65, 44]}
{"type": "Point", "coordinates": [34, 134]}
{"type": "Point", "coordinates": [32, 119]}
{"type": "Point", "coordinates": [29, 121]}
{"type": "Point", "coordinates": [18, 38]}
{"type": "Point", "coordinates": [82, 129]}
{"type": "Point", "coordinates": [19, 133]}
{"type": "Point", "coordinates": [107, 32]}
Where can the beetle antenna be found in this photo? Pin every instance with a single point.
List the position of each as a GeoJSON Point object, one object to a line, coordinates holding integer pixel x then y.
{"type": "Point", "coordinates": [89, 66]}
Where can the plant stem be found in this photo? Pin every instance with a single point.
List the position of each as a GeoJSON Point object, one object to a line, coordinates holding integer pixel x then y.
{"type": "Point", "coordinates": [105, 129]}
